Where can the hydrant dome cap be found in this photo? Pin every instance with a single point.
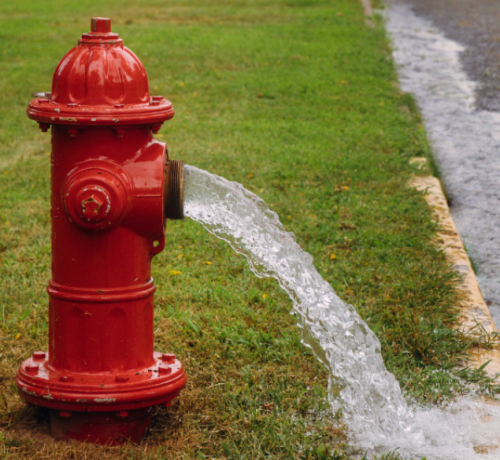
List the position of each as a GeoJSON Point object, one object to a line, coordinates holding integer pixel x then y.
{"type": "Point", "coordinates": [100, 81]}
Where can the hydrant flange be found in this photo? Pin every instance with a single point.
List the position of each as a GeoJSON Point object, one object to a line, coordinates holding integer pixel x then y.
{"type": "Point", "coordinates": [158, 384]}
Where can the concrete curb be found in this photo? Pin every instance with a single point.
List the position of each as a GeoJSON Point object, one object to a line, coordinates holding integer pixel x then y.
{"type": "Point", "coordinates": [367, 7]}
{"type": "Point", "coordinates": [475, 317]}
{"type": "Point", "coordinates": [475, 314]}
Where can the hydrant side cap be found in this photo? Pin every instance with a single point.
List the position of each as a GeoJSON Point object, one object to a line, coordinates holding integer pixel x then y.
{"type": "Point", "coordinates": [100, 82]}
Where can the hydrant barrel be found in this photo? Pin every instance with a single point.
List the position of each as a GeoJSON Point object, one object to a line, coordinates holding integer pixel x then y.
{"type": "Point", "coordinates": [112, 189]}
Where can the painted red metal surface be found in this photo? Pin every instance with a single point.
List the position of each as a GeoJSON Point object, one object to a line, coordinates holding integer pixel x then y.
{"type": "Point", "coordinates": [100, 82]}
{"type": "Point", "coordinates": [101, 376]}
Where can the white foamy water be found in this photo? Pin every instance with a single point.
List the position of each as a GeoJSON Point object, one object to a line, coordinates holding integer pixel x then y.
{"type": "Point", "coordinates": [370, 397]}
{"type": "Point", "coordinates": [466, 142]}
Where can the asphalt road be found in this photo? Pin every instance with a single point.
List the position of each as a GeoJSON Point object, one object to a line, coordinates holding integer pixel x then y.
{"type": "Point", "coordinates": [476, 25]}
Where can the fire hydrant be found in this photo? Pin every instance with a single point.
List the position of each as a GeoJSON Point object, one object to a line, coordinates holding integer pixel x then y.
{"type": "Point", "coordinates": [113, 187]}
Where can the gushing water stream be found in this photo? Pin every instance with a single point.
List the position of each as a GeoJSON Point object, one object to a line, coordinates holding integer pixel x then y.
{"type": "Point", "coordinates": [370, 397]}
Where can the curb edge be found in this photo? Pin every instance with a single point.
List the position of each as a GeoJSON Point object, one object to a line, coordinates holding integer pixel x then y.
{"type": "Point", "coordinates": [474, 311]}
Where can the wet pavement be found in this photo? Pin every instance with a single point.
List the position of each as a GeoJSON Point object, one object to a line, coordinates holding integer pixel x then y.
{"type": "Point", "coordinates": [476, 25]}
{"type": "Point", "coordinates": [453, 71]}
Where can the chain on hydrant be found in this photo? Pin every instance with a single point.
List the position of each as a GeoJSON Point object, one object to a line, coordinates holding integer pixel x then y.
{"type": "Point", "coordinates": [113, 187]}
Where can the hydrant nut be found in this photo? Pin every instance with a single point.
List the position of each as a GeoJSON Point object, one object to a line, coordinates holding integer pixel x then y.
{"type": "Point", "coordinates": [31, 367]}
{"type": "Point", "coordinates": [100, 25]}
{"type": "Point", "coordinates": [163, 369]}
{"type": "Point", "coordinates": [167, 357]}
{"type": "Point", "coordinates": [91, 207]}
{"type": "Point", "coordinates": [39, 355]}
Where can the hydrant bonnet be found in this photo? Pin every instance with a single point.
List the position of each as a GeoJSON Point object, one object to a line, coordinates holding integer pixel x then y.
{"type": "Point", "coordinates": [100, 82]}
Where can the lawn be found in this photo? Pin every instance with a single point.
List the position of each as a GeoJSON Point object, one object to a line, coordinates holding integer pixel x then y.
{"type": "Point", "coordinates": [298, 100]}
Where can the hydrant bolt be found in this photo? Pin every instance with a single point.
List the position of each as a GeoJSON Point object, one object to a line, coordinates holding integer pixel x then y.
{"type": "Point", "coordinates": [38, 355]}
{"type": "Point", "coordinates": [163, 369]}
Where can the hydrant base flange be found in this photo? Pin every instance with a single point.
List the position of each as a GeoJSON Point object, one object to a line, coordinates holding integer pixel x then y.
{"type": "Point", "coordinates": [104, 392]}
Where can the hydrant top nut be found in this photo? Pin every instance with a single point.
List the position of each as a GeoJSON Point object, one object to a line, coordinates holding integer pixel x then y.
{"type": "Point", "coordinates": [100, 25]}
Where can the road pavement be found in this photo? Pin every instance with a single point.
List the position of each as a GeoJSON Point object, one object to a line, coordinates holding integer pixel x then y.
{"type": "Point", "coordinates": [448, 56]}
{"type": "Point", "coordinates": [476, 25]}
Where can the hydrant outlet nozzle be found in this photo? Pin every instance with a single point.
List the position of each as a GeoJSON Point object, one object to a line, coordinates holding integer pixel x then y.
{"type": "Point", "coordinates": [173, 189]}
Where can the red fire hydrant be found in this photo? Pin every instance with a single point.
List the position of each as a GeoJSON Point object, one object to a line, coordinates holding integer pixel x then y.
{"type": "Point", "coordinates": [113, 188]}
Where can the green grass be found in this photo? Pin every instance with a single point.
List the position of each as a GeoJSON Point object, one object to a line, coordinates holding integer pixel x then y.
{"type": "Point", "coordinates": [297, 100]}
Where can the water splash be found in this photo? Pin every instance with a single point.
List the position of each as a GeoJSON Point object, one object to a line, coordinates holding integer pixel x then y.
{"type": "Point", "coordinates": [370, 396]}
